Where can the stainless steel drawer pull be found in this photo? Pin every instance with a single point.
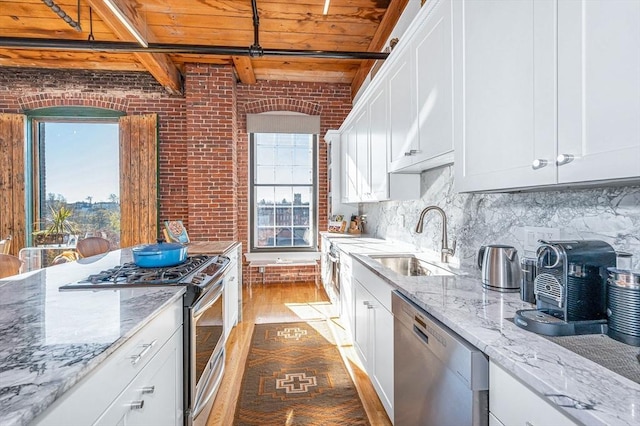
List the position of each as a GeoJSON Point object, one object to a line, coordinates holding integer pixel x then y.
{"type": "Point", "coordinates": [145, 348]}
{"type": "Point", "coordinates": [412, 152]}
{"type": "Point", "coordinates": [148, 389]}
{"type": "Point", "coordinates": [136, 405]}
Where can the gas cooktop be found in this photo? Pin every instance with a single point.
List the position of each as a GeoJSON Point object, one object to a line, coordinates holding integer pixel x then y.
{"type": "Point", "coordinates": [196, 270]}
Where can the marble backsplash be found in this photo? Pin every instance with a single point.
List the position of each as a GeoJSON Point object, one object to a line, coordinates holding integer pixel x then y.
{"type": "Point", "coordinates": [611, 214]}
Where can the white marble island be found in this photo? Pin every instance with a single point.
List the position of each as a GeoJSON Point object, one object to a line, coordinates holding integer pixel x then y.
{"type": "Point", "coordinates": [51, 339]}
{"type": "Point", "coordinates": [581, 389]}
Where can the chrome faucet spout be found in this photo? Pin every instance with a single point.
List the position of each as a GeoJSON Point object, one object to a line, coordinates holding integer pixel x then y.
{"type": "Point", "coordinates": [445, 251]}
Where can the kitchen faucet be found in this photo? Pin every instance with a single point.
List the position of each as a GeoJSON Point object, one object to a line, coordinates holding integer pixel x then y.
{"type": "Point", "coordinates": [445, 251]}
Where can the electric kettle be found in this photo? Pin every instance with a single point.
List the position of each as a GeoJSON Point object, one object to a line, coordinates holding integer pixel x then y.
{"type": "Point", "coordinates": [500, 267]}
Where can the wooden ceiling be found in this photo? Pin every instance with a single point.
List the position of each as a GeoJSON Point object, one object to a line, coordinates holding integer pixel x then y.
{"type": "Point", "coordinates": [349, 26]}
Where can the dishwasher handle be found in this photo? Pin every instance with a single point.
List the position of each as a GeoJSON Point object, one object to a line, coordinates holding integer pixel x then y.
{"type": "Point", "coordinates": [421, 335]}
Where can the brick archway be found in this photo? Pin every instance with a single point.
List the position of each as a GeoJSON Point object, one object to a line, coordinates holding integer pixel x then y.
{"type": "Point", "coordinates": [48, 100]}
{"type": "Point", "coordinates": [283, 104]}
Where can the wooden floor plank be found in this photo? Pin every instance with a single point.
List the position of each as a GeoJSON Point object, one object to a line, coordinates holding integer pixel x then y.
{"type": "Point", "coordinates": [286, 302]}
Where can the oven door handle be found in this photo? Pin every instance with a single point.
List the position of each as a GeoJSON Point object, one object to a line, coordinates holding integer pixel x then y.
{"type": "Point", "coordinates": [211, 384]}
{"type": "Point", "coordinates": [209, 299]}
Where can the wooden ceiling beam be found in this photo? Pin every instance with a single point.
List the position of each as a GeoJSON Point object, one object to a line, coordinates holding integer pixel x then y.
{"type": "Point", "coordinates": [159, 65]}
{"type": "Point", "coordinates": [389, 20]}
{"type": "Point", "coordinates": [244, 69]}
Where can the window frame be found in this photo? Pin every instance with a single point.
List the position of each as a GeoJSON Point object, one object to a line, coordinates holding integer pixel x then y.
{"type": "Point", "coordinates": [314, 214]}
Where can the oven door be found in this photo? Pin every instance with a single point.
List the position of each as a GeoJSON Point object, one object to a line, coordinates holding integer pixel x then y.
{"type": "Point", "coordinates": [207, 351]}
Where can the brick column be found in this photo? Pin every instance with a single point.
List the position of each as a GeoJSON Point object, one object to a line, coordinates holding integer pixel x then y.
{"type": "Point", "coordinates": [210, 93]}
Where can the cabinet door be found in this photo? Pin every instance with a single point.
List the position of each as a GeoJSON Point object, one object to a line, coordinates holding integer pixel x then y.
{"type": "Point", "coordinates": [363, 188]}
{"type": "Point", "coordinates": [403, 130]}
{"type": "Point", "coordinates": [378, 120]}
{"type": "Point", "coordinates": [599, 89]}
{"type": "Point", "coordinates": [348, 156]}
{"type": "Point", "coordinates": [504, 89]}
{"type": "Point", "coordinates": [346, 292]}
{"type": "Point", "coordinates": [382, 356]}
{"type": "Point", "coordinates": [432, 50]}
{"type": "Point", "coordinates": [363, 303]}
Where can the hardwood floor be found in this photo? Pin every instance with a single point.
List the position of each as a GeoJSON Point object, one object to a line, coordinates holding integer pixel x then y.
{"type": "Point", "coordinates": [286, 303]}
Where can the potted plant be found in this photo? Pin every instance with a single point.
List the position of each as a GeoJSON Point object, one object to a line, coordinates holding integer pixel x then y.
{"type": "Point", "coordinates": [56, 226]}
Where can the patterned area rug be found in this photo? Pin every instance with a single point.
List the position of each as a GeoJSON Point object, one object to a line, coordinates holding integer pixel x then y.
{"type": "Point", "coordinates": [294, 375]}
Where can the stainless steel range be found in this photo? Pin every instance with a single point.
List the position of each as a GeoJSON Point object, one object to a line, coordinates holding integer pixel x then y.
{"type": "Point", "coordinates": [203, 277]}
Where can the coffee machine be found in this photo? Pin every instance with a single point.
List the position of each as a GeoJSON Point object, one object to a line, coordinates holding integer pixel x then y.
{"type": "Point", "coordinates": [570, 288]}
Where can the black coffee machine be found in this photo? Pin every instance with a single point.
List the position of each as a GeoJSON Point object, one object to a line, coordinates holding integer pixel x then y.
{"type": "Point", "coordinates": [570, 288]}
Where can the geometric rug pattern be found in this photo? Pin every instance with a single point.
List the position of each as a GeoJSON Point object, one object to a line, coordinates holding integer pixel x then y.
{"type": "Point", "coordinates": [294, 375]}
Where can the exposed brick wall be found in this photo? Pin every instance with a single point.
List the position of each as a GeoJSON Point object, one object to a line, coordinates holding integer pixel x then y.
{"type": "Point", "coordinates": [134, 93]}
{"type": "Point", "coordinates": [202, 136]}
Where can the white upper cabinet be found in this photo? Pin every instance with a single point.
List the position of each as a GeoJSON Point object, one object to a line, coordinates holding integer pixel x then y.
{"type": "Point", "coordinates": [402, 124]}
{"type": "Point", "coordinates": [505, 106]}
{"type": "Point", "coordinates": [378, 116]}
{"type": "Point", "coordinates": [348, 164]}
{"type": "Point", "coordinates": [363, 181]}
{"type": "Point", "coordinates": [421, 93]}
{"type": "Point", "coordinates": [432, 52]}
{"type": "Point", "coordinates": [546, 92]}
{"type": "Point", "coordinates": [599, 89]}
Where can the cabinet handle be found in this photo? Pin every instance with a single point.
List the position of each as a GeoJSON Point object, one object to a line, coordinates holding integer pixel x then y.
{"type": "Point", "coordinates": [136, 405]}
{"type": "Point", "coordinates": [145, 348]}
{"type": "Point", "coordinates": [528, 423]}
{"type": "Point", "coordinates": [539, 163]}
{"type": "Point", "coordinates": [412, 152]}
{"type": "Point", "coordinates": [148, 389]}
{"type": "Point", "coordinates": [365, 303]}
{"type": "Point", "coordinates": [564, 159]}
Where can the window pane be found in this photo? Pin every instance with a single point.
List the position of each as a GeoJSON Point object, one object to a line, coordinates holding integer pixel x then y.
{"type": "Point", "coordinates": [78, 168]}
{"type": "Point", "coordinates": [283, 196]}
{"type": "Point", "coordinates": [283, 237]}
{"type": "Point", "coordinates": [284, 175]}
{"type": "Point", "coordinates": [283, 216]}
{"type": "Point", "coordinates": [265, 237]}
{"type": "Point", "coordinates": [265, 156]}
{"type": "Point", "coordinates": [266, 174]}
{"type": "Point", "coordinates": [264, 195]}
{"type": "Point", "coordinates": [265, 216]}
{"type": "Point", "coordinates": [301, 237]}
{"type": "Point", "coordinates": [301, 215]}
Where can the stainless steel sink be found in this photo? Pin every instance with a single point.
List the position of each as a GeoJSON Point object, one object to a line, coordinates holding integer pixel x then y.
{"type": "Point", "coordinates": [409, 265]}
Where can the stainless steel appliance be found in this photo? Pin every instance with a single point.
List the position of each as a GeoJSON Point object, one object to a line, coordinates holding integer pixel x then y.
{"type": "Point", "coordinates": [500, 267]}
{"type": "Point", "coordinates": [527, 286]}
{"type": "Point", "coordinates": [569, 288]}
{"type": "Point", "coordinates": [623, 306]}
{"type": "Point", "coordinates": [440, 379]}
{"type": "Point", "coordinates": [203, 277]}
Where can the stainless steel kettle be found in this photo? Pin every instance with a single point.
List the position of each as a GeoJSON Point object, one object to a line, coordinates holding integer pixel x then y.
{"type": "Point", "coordinates": [500, 267]}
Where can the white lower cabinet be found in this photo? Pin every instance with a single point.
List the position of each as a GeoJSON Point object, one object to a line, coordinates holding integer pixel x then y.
{"type": "Point", "coordinates": [513, 403]}
{"type": "Point", "coordinates": [140, 383]}
{"type": "Point", "coordinates": [232, 285]}
{"type": "Point", "coordinates": [373, 331]}
{"type": "Point", "coordinates": [154, 397]}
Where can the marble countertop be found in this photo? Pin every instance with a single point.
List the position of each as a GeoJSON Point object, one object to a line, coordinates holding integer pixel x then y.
{"type": "Point", "coordinates": [582, 389]}
{"type": "Point", "coordinates": [51, 339]}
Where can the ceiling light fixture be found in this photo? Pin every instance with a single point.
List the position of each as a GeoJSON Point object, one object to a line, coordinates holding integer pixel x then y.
{"type": "Point", "coordinates": [326, 7]}
{"type": "Point", "coordinates": [124, 20]}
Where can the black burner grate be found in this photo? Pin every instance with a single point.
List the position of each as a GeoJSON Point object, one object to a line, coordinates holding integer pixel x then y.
{"type": "Point", "coordinates": [130, 273]}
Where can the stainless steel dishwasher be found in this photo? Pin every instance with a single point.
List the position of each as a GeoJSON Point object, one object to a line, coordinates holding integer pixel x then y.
{"type": "Point", "coordinates": [440, 379]}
